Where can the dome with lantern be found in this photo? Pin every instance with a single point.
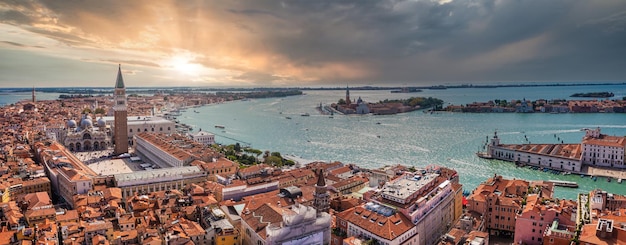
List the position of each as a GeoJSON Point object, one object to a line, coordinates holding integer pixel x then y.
{"type": "Point", "coordinates": [86, 122]}
{"type": "Point", "coordinates": [71, 123]}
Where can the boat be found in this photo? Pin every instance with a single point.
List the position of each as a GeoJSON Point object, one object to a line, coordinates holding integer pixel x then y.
{"type": "Point", "coordinates": [564, 183]}
{"type": "Point", "coordinates": [484, 155]}
{"type": "Point", "coordinates": [196, 111]}
{"type": "Point", "coordinates": [619, 180]}
{"type": "Point", "coordinates": [378, 123]}
{"type": "Point", "coordinates": [288, 117]}
{"type": "Point", "coordinates": [305, 115]}
{"type": "Point", "coordinates": [219, 126]}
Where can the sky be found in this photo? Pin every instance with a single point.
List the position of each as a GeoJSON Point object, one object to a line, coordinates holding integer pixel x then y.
{"type": "Point", "coordinates": [262, 43]}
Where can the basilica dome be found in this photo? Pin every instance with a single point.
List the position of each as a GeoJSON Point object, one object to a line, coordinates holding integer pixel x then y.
{"type": "Point", "coordinates": [102, 123]}
{"type": "Point", "coordinates": [86, 123]}
{"type": "Point", "coordinates": [71, 124]}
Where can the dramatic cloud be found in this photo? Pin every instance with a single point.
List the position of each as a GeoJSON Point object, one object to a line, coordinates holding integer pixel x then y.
{"type": "Point", "coordinates": [293, 43]}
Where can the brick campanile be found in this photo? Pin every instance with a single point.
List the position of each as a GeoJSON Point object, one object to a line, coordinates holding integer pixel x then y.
{"type": "Point", "coordinates": [120, 135]}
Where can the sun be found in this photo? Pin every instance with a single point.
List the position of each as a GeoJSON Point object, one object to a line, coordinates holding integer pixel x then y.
{"type": "Point", "coordinates": [184, 65]}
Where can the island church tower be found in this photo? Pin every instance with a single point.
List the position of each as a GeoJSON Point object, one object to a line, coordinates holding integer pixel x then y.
{"type": "Point", "coordinates": [120, 135]}
{"type": "Point", "coordinates": [348, 101]}
{"type": "Point", "coordinates": [321, 202]}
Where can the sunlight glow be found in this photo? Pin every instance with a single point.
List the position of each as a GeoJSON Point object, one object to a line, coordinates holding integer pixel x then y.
{"type": "Point", "coordinates": [184, 65]}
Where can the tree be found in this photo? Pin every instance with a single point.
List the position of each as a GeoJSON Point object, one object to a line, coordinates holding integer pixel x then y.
{"type": "Point", "coordinates": [341, 102]}
{"type": "Point", "coordinates": [86, 111]}
{"type": "Point", "coordinates": [266, 154]}
{"type": "Point", "coordinates": [274, 161]}
{"type": "Point", "coordinates": [289, 162]}
{"type": "Point", "coordinates": [99, 110]}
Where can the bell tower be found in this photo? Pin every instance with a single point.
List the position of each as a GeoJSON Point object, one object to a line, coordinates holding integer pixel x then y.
{"type": "Point", "coordinates": [321, 202]}
{"type": "Point", "coordinates": [120, 135]}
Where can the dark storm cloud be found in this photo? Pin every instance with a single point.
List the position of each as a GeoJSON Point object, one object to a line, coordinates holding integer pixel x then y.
{"type": "Point", "coordinates": [15, 17]}
{"type": "Point", "coordinates": [354, 40]}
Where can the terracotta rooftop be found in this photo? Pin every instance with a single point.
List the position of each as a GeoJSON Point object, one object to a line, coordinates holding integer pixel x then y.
{"type": "Point", "coordinates": [386, 227]}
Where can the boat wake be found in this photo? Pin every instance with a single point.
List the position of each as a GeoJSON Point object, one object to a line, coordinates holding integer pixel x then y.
{"type": "Point", "coordinates": [459, 161]}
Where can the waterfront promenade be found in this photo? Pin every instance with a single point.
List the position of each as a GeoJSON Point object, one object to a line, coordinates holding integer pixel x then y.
{"type": "Point", "coordinates": [604, 172]}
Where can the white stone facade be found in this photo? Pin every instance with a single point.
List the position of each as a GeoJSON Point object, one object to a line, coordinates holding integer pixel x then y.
{"type": "Point", "coordinates": [203, 137]}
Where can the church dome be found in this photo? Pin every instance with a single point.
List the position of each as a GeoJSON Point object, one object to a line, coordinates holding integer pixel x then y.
{"type": "Point", "coordinates": [86, 122]}
{"type": "Point", "coordinates": [102, 123]}
{"type": "Point", "coordinates": [71, 124]}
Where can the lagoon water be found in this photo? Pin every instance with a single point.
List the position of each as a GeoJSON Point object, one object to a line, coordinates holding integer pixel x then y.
{"type": "Point", "coordinates": [416, 138]}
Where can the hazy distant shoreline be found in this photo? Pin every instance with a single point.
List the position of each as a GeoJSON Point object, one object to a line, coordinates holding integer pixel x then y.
{"type": "Point", "coordinates": [151, 90]}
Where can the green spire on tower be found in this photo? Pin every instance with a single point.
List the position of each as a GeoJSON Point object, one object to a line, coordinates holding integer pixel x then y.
{"type": "Point", "coordinates": [120, 80]}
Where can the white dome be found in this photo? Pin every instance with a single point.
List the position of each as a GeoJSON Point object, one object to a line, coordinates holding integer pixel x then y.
{"type": "Point", "coordinates": [71, 124]}
{"type": "Point", "coordinates": [102, 123]}
{"type": "Point", "coordinates": [86, 123]}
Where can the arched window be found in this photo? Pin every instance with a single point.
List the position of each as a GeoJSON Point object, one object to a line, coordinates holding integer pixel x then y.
{"type": "Point", "coordinates": [152, 129]}
{"type": "Point", "coordinates": [161, 129]}
{"type": "Point", "coordinates": [131, 130]}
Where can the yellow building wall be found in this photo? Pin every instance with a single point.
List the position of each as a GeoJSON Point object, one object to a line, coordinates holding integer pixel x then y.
{"type": "Point", "coordinates": [458, 205]}
{"type": "Point", "coordinates": [6, 196]}
{"type": "Point", "coordinates": [228, 239]}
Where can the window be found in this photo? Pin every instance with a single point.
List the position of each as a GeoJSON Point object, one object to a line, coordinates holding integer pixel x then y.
{"type": "Point", "coordinates": [131, 130]}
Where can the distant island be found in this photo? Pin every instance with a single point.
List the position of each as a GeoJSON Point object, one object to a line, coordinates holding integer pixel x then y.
{"type": "Point", "coordinates": [594, 95]}
{"type": "Point", "coordinates": [383, 107]}
{"type": "Point", "coordinates": [542, 106]}
{"type": "Point", "coordinates": [406, 90]}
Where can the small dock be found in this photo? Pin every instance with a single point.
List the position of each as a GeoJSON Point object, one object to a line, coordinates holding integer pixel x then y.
{"type": "Point", "coordinates": [564, 183]}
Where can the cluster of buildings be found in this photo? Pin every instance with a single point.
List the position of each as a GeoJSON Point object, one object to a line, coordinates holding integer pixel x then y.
{"type": "Point", "coordinates": [528, 212]}
{"type": "Point", "coordinates": [542, 106]}
{"type": "Point", "coordinates": [197, 196]}
{"type": "Point", "coordinates": [596, 151]}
